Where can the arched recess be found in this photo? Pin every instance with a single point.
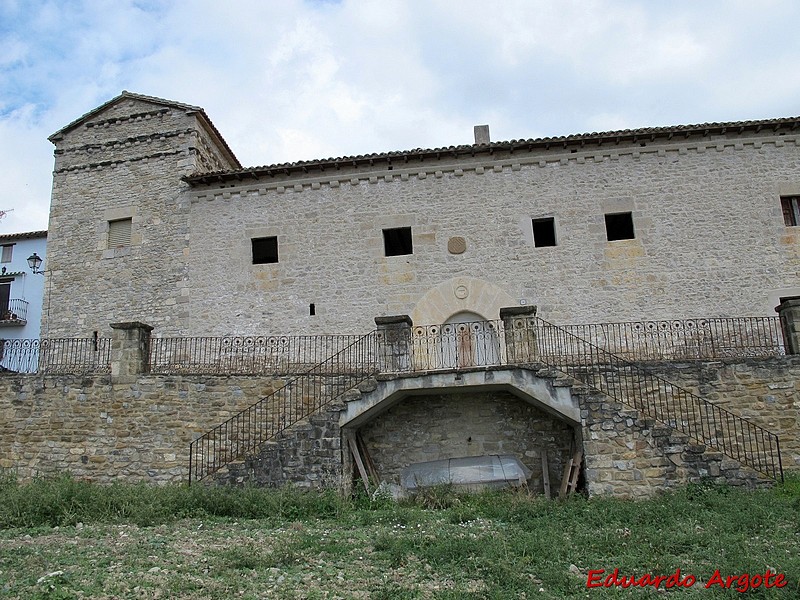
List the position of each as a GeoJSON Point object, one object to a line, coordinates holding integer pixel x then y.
{"type": "Point", "coordinates": [467, 339]}
{"type": "Point", "coordinates": [458, 295]}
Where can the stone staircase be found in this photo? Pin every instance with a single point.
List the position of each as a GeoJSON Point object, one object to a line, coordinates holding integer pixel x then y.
{"type": "Point", "coordinates": [637, 431]}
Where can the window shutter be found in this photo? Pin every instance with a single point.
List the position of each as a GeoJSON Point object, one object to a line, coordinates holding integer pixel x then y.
{"type": "Point", "coordinates": [119, 233]}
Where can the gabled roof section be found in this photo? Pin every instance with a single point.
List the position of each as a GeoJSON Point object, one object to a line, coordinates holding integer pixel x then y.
{"type": "Point", "coordinates": [581, 140]}
{"type": "Point", "coordinates": [188, 108]}
{"type": "Point", "coordinates": [27, 235]}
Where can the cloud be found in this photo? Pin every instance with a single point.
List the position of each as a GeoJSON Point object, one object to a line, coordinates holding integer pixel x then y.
{"type": "Point", "coordinates": [294, 80]}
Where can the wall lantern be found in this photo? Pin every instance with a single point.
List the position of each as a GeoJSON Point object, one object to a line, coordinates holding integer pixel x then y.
{"type": "Point", "coordinates": [34, 262]}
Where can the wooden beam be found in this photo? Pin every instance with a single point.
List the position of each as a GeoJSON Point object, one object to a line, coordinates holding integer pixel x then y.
{"type": "Point", "coordinates": [545, 475]}
{"type": "Point", "coordinates": [351, 441]}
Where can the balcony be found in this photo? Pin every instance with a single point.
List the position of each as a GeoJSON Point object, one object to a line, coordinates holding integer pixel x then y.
{"type": "Point", "coordinates": [15, 314]}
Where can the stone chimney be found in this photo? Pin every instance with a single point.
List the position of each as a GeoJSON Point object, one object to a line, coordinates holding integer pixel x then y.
{"type": "Point", "coordinates": [482, 134]}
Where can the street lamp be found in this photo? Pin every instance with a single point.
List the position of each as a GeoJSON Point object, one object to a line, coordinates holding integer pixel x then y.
{"type": "Point", "coordinates": [34, 262]}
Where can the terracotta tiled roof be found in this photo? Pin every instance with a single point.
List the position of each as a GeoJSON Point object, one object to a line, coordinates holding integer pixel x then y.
{"type": "Point", "coordinates": [627, 135]}
{"type": "Point", "coordinates": [153, 99]}
{"type": "Point", "coordinates": [28, 235]}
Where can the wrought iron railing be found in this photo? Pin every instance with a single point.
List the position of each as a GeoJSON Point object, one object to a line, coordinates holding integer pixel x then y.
{"type": "Point", "coordinates": [15, 312]}
{"type": "Point", "coordinates": [529, 340]}
{"type": "Point", "coordinates": [75, 355]}
{"type": "Point", "coordinates": [436, 347]}
{"type": "Point", "coordinates": [255, 355]}
{"type": "Point", "coordinates": [655, 397]}
{"type": "Point", "coordinates": [686, 339]}
{"type": "Point", "coordinates": [56, 356]}
{"type": "Point", "coordinates": [298, 399]}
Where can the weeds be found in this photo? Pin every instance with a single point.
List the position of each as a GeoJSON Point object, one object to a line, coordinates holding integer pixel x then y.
{"type": "Point", "coordinates": [65, 539]}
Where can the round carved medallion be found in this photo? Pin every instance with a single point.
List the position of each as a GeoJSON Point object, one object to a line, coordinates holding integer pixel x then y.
{"type": "Point", "coordinates": [461, 292]}
{"type": "Point", "coordinates": [456, 245]}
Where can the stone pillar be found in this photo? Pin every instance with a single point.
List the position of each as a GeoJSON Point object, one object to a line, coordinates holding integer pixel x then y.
{"type": "Point", "coordinates": [519, 325]}
{"type": "Point", "coordinates": [130, 348]}
{"type": "Point", "coordinates": [394, 343]}
{"type": "Point", "coordinates": [789, 314]}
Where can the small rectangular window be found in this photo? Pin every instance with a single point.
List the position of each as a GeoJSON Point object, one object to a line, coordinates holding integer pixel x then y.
{"type": "Point", "coordinates": [397, 241]}
{"type": "Point", "coordinates": [544, 232]}
{"type": "Point", "coordinates": [791, 210]}
{"type": "Point", "coordinates": [119, 233]}
{"type": "Point", "coordinates": [265, 250]}
{"type": "Point", "coordinates": [8, 250]}
{"type": "Point", "coordinates": [619, 226]}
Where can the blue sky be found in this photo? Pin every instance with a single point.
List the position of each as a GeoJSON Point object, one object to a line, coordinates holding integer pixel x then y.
{"type": "Point", "coordinates": [287, 80]}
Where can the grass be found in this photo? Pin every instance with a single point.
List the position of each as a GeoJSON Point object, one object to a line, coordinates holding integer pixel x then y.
{"type": "Point", "coordinates": [69, 539]}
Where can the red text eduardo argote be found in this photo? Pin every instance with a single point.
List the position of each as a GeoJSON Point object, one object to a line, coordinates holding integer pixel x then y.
{"type": "Point", "coordinates": [741, 582]}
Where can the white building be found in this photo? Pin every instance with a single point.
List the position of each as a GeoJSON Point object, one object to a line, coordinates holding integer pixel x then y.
{"type": "Point", "coordinates": [21, 290]}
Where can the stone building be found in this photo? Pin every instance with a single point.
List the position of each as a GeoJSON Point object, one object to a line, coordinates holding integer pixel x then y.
{"type": "Point", "coordinates": [153, 219]}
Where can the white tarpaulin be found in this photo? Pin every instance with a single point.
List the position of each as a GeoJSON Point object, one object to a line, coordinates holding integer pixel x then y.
{"type": "Point", "coordinates": [471, 471]}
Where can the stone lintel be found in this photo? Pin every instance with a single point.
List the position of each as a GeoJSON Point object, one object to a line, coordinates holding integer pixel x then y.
{"type": "Point", "coordinates": [131, 325]}
{"type": "Point", "coordinates": [393, 320]}
{"type": "Point", "coordinates": [517, 311]}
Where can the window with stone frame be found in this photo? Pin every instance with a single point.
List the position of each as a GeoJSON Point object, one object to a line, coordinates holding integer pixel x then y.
{"type": "Point", "coordinates": [791, 210]}
{"type": "Point", "coordinates": [119, 233]}
{"type": "Point", "coordinates": [397, 241]}
{"type": "Point", "coordinates": [619, 226]}
{"type": "Point", "coordinates": [265, 250]}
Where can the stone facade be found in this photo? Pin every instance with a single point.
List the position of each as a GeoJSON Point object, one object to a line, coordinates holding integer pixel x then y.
{"type": "Point", "coordinates": [698, 198]}
{"type": "Point", "coordinates": [153, 219]}
{"type": "Point", "coordinates": [124, 161]}
{"type": "Point", "coordinates": [105, 430]}
{"type": "Point", "coordinates": [139, 429]}
{"type": "Point", "coordinates": [439, 426]}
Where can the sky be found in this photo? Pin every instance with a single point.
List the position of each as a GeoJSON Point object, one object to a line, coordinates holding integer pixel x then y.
{"type": "Point", "coordinates": [289, 80]}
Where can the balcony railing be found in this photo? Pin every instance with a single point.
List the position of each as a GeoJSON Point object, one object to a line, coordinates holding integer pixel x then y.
{"type": "Point", "coordinates": [16, 313]}
{"type": "Point", "coordinates": [56, 356]}
{"type": "Point", "coordinates": [254, 355]}
{"type": "Point", "coordinates": [686, 339]}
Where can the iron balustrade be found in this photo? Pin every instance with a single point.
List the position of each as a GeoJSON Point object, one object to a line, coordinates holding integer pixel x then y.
{"type": "Point", "coordinates": [447, 346]}
{"type": "Point", "coordinates": [253, 355]}
{"type": "Point", "coordinates": [532, 341]}
{"type": "Point", "coordinates": [708, 423]}
{"type": "Point", "coordinates": [75, 355]}
{"type": "Point", "coordinates": [19, 356]}
{"type": "Point", "coordinates": [299, 398]}
{"type": "Point", "coordinates": [56, 356]}
{"type": "Point", "coordinates": [15, 312]}
{"type": "Point", "coordinates": [686, 339]}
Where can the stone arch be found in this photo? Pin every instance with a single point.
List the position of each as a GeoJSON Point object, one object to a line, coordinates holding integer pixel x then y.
{"type": "Point", "coordinates": [457, 295]}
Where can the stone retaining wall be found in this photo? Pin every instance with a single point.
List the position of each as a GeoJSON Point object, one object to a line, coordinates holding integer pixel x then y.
{"type": "Point", "coordinates": [139, 428]}
{"type": "Point", "coordinates": [107, 430]}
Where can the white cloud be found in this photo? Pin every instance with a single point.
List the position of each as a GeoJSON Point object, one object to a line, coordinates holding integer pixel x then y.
{"type": "Point", "coordinates": [288, 80]}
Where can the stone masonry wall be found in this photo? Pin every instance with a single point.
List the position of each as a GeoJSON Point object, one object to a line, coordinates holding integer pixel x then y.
{"type": "Point", "coordinates": [698, 206]}
{"type": "Point", "coordinates": [629, 456]}
{"type": "Point", "coordinates": [440, 426]}
{"type": "Point", "coordinates": [125, 162]}
{"type": "Point", "coordinates": [139, 429]}
{"type": "Point", "coordinates": [766, 391]}
{"type": "Point", "coordinates": [106, 431]}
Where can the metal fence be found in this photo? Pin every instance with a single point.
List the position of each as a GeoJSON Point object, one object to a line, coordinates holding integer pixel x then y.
{"type": "Point", "coordinates": [529, 340]}
{"type": "Point", "coordinates": [686, 339]}
{"type": "Point", "coordinates": [629, 383]}
{"type": "Point", "coordinates": [299, 398]}
{"type": "Point", "coordinates": [256, 355]}
{"type": "Point", "coordinates": [58, 356]}
{"type": "Point", "coordinates": [16, 311]}
{"type": "Point", "coordinates": [448, 346]}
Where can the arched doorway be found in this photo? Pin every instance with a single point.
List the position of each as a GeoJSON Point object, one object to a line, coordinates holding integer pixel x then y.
{"type": "Point", "coordinates": [466, 339]}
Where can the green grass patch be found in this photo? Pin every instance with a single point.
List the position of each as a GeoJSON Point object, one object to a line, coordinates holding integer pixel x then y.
{"type": "Point", "coordinates": [63, 538]}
